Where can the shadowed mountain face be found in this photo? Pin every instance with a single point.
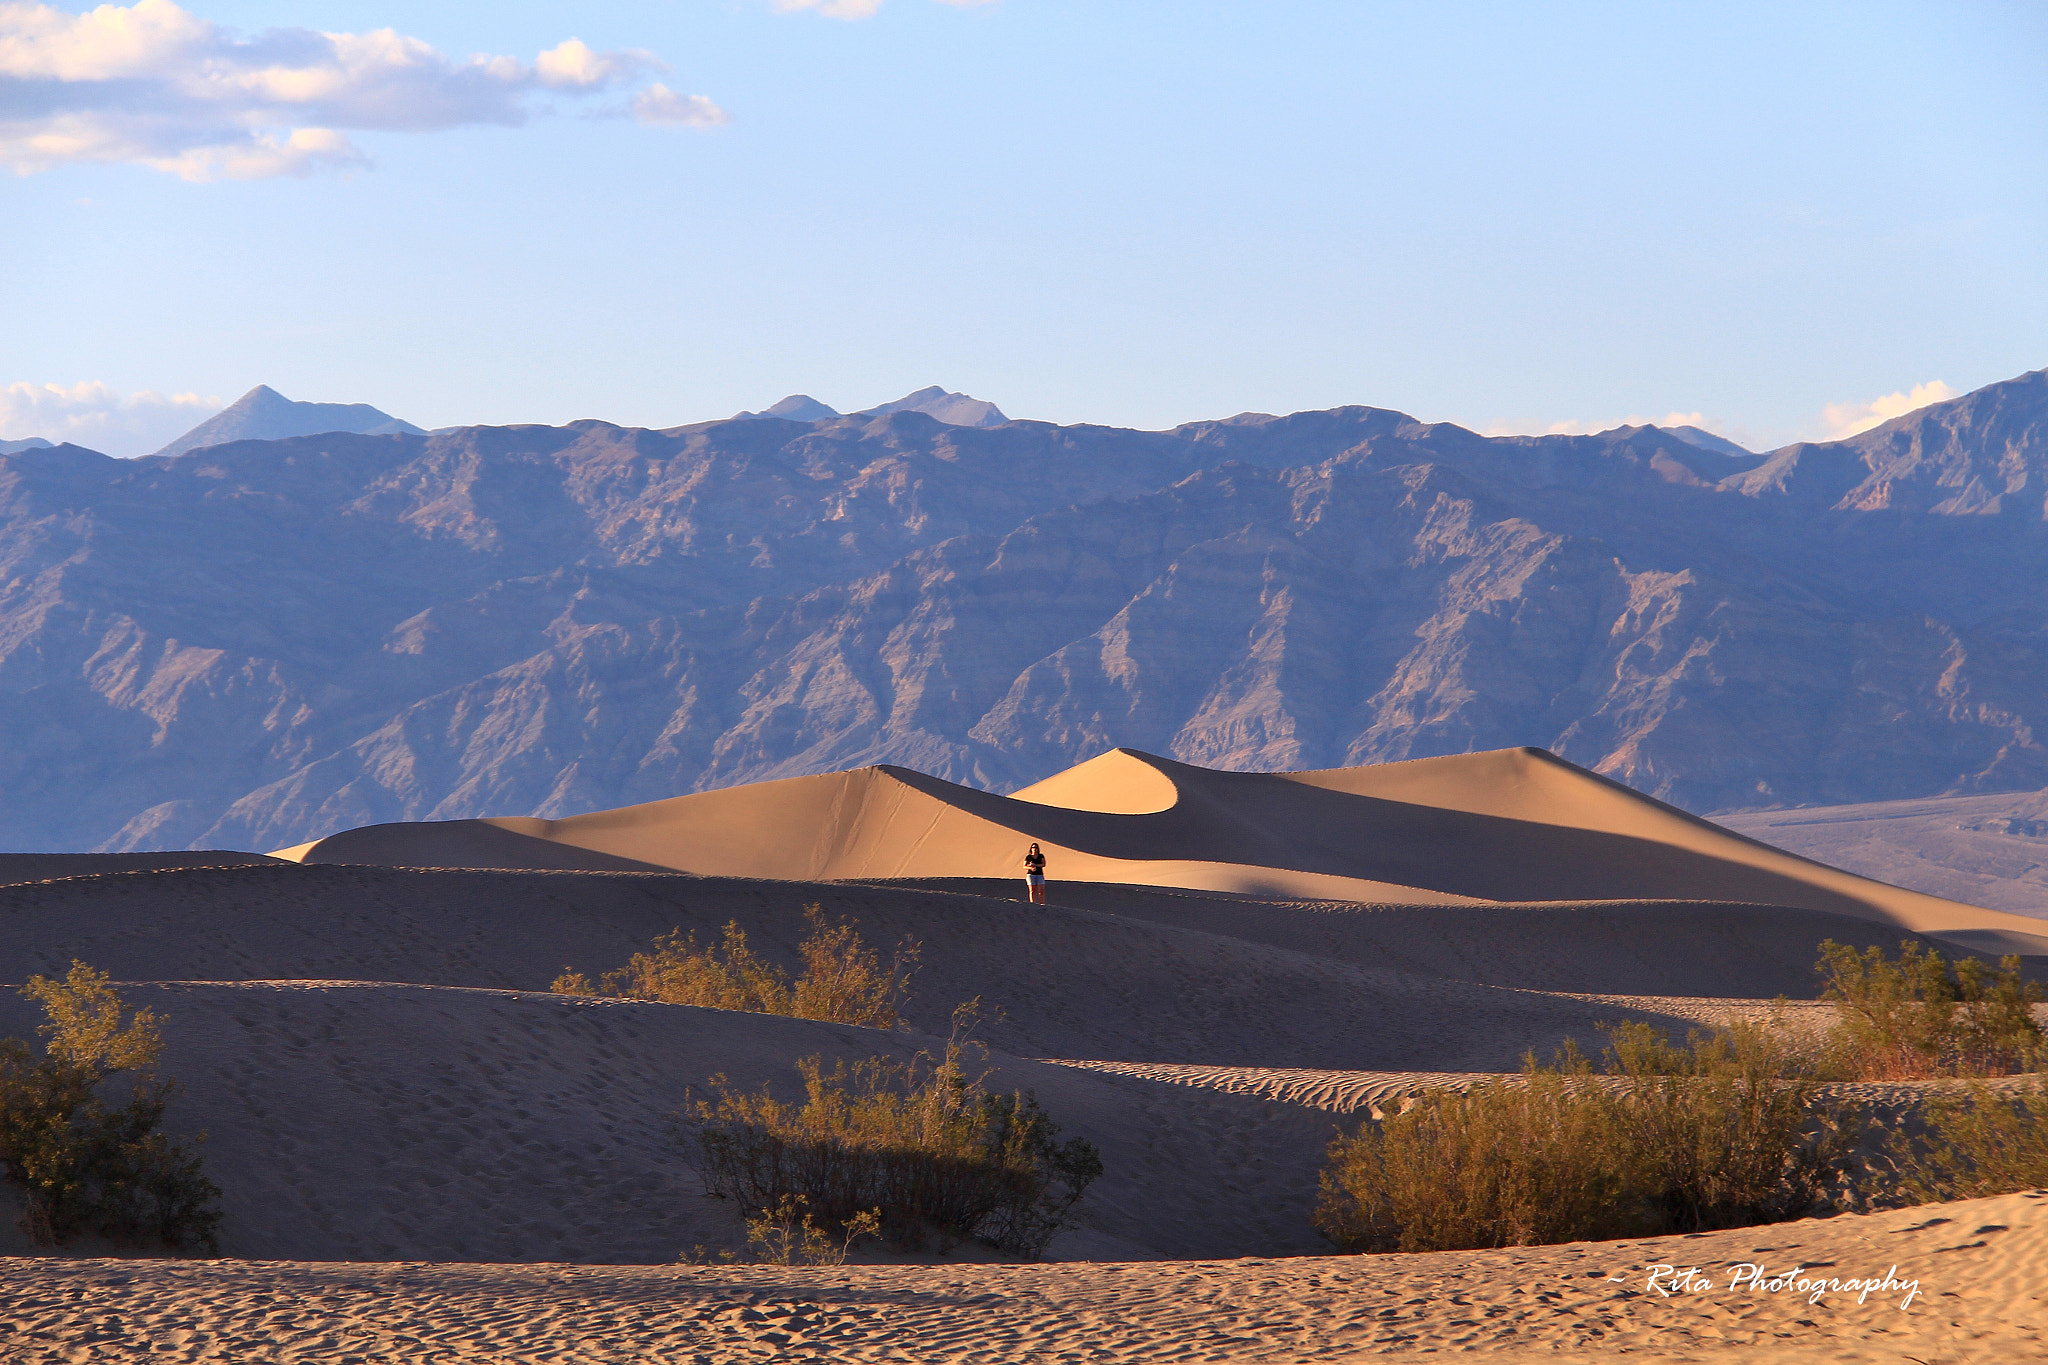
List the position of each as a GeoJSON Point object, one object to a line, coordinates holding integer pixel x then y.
{"type": "Point", "coordinates": [265, 641]}
{"type": "Point", "coordinates": [264, 414]}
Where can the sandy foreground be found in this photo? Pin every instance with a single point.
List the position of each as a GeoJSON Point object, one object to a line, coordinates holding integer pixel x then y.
{"type": "Point", "coordinates": [1960, 1282]}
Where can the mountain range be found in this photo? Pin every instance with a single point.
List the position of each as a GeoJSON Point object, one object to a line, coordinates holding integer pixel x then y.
{"type": "Point", "coordinates": [259, 642]}
{"type": "Point", "coordinates": [954, 409]}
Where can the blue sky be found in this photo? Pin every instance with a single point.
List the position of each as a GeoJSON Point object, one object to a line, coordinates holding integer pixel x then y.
{"type": "Point", "coordinates": [1512, 216]}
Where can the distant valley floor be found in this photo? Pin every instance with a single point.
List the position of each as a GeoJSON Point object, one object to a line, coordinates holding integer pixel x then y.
{"type": "Point", "coordinates": [1982, 850]}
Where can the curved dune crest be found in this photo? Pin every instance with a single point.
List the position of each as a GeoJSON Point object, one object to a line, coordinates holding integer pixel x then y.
{"type": "Point", "coordinates": [1512, 825]}
{"type": "Point", "coordinates": [1120, 782]}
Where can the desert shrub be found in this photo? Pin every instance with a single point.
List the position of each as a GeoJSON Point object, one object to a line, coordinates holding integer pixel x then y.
{"type": "Point", "coordinates": [1508, 1163]}
{"type": "Point", "coordinates": [926, 1147]}
{"type": "Point", "coordinates": [1977, 1143]}
{"type": "Point", "coordinates": [81, 1162]}
{"type": "Point", "coordinates": [789, 1234]}
{"type": "Point", "coordinates": [1725, 1132]}
{"type": "Point", "coordinates": [1671, 1139]}
{"type": "Point", "coordinates": [843, 980]}
{"type": "Point", "coordinates": [1920, 1016]}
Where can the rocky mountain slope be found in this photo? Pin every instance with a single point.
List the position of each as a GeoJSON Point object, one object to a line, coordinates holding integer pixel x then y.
{"type": "Point", "coordinates": [258, 643]}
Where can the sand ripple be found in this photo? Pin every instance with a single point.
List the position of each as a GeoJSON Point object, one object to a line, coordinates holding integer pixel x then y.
{"type": "Point", "coordinates": [1342, 1092]}
{"type": "Point", "coordinates": [1981, 1297]}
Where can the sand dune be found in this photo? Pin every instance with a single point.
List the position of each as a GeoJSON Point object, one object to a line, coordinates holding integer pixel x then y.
{"type": "Point", "coordinates": [1974, 1268]}
{"type": "Point", "coordinates": [363, 1120]}
{"type": "Point", "coordinates": [1511, 825]}
{"type": "Point", "coordinates": [1067, 982]}
{"type": "Point", "coordinates": [1630, 947]}
{"type": "Point", "coordinates": [368, 1121]}
{"type": "Point", "coordinates": [1232, 967]}
{"type": "Point", "coordinates": [16, 868]}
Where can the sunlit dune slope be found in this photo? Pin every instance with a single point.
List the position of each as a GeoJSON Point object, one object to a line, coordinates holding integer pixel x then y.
{"type": "Point", "coordinates": [1515, 825]}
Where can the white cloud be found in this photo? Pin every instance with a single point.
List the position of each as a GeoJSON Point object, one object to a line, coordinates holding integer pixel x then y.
{"type": "Point", "coordinates": [1846, 419]}
{"type": "Point", "coordinates": [92, 414]}
{"type": "Point", "coordinates": [573, 65]}
{"type": "Point", "coordinates": [154, 85]}
{"type": "Point", "coordinates": [659, 104]}
{"type": "Point", "coordinates": [855, 9]}
{"type": "Point", "coordinates": [831, 9]}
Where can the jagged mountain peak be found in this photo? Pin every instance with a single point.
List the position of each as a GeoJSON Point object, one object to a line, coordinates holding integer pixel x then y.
{"type": "Point", "coordinates": [798, 407]}
{"type": "Point", "coordinates": [954, 409]}
{"type": "Point", "coordinates": [264, 414]}
{"type": "Point", "coordinates": [1707, 440]}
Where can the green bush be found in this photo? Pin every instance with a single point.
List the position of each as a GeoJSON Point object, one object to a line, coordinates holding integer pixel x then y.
{"type": "Point", "coordinates": [920, 1143]}
{"type": "Point", "coordinates": [1670, 1140]}
{"type": "Point", "coordinates": [1921, 1017]}
{"type": "Point", "coordinates": [82, 1163]}
{"type": "Point", "coordinates": [843, 980]}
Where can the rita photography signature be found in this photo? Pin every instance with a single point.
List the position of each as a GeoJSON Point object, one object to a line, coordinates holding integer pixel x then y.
{"type": "Point", "coordinates": [1748, 1278]}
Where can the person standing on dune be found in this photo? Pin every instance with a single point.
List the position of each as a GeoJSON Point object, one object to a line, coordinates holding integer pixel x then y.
{"type": "Point", "coordinates": [1034, 874]}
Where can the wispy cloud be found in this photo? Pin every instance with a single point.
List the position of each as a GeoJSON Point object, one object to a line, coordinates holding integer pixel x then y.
{"type": "Point", "coordinates": [154, 85]}
{"type": "Point", "coordinates": [1577, 428]}
{"type": "Point", "coordinates": [1846, 419]}
{"type": "Point", "coordinates": [93, 414]}
{"type": "Point", "coordinates": [856, 9]}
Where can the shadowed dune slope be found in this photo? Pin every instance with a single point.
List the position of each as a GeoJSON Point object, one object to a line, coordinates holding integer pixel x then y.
{"type": "Point", "coordinates": [468, 1116]}
{"type": "Point", "coordinates": [1692, 948]}
{"type": "Point", "coordinates": [43, 867]}
{"type": "Point", "coordinates": [1510, 825]}
{"type": "Point", "coordinates": [370, 1121]}
{"type": "Point", "coordinates": [1060, 981]}
{"type": "Point", "coordinates": [502, 843]}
